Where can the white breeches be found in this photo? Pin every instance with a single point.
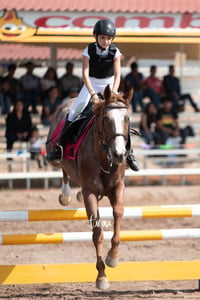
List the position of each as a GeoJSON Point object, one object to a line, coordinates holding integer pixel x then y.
{"type": "Point", "coordinates": [84, 95]}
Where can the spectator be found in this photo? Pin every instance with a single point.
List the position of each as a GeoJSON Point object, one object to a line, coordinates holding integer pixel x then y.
{"type": "Point", "coordinates": [49, 80]}
{"type": "Point", "coordinates": [1, 73]}
{"type": "Point", "coordinates": [167, 125]}
{"type": "Point", "coordinates": [18, 125]}
{"type": "Point", "coordinates": [172, 88]}
{"type": "Point", "coordinates": [36, 147]}
{"type": "Point", "coordinates": [14, 90]}
{"type": "Point", "coordinates": [5, 100]}
{"type": "Point", "coordinates": [155, 84]}
{"type": "Point", "coordinates": [73, 93]}
{"type": "Point", "coordinates": [135, 79]}
{"type": "Point", "coordinates": [50, 105]}
{"type": "Point", "coordinates": [30, 84]}
{"type": "Point", "coordinates": [69, 80]}
{"type": "Point", "coordinates": [147, 124]}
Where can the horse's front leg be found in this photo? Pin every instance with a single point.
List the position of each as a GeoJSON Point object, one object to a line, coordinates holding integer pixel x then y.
{"type": "Point", "coordinates": [116, 200]}
{"type": "Point", "coordinates": [65, 196]}
{"type": "Point", "coordinates": [91, 205]}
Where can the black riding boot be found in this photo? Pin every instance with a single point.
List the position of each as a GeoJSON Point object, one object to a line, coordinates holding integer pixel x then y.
{"type": "Point", "coordinates": [56, 154]}
{"type": "Point", "coordinates": [131, 161]}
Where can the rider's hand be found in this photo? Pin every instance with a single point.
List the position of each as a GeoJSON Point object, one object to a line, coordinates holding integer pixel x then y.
{"type": "Point", "coordinates": [95, 99]}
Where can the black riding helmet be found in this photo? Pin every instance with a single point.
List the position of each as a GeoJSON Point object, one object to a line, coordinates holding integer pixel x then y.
{"type": "Point", "coordinates": [105, 27]}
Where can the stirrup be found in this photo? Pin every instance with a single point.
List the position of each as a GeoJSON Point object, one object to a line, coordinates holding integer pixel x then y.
{"type": "Point", "coordinates": [59, 148]}
{"type": "Point", "coordinates": [56, 154]}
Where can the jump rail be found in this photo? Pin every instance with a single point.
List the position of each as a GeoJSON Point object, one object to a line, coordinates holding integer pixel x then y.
{"type": "Point", "coordinates": [125, 271]}
{"type": "Point", "coordinates": [166, 211]}
{"type": "Point", "coordinates": [125, 236]}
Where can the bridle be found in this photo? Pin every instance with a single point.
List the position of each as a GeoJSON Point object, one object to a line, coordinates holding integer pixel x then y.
{"type": "Point", "coordinates": [104, 141]}
{"type": "Point", "coordinates": [103, 122]}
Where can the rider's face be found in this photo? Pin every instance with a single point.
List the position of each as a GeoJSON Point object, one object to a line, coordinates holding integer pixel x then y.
{"type": "Point", "coordinates": [104, 40]}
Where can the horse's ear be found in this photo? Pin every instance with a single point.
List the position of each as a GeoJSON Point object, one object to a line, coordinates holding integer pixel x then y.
{"type": "Point", "coordinates": [107, 92]}
{"type": "Point", "coordinates": [129, 95]}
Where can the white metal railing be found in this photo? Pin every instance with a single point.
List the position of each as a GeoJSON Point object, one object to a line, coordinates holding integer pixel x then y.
{"type": "Point", "coordinates": [140, 153]}
{"type": "Point", "coordinates": [47, 175]}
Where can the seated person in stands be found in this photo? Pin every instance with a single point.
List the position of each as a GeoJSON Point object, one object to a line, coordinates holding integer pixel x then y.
{"type": "Point", "coordinates": [69, 80]}
{"type": "Point", "coordinates": [172, 88]}
{"type": "Point", "coordinates": [36, 147]}
{"type": "Point", "coordinates": [167, 125]}
{"type": "Point", "coordinates": [18, 125]}
{"type": "Point", "coordinates": [30, 84]}
{"type": "Point", "coordinates": [50, 105]}
{"type": "Point", "coordinates": [47, 81]}
{"type": "Point", "coordinates": [154, 86]}
{"type": "Point", "coordinates": [73, 93]}
{"type": "Point", "coordinates": [135, 79]}
{"type": "Point", "coordinates": [5, 99]}
{"type": "Point", "coordinates": [15, 87]}
{"type": "Point", "coordinates": [147, 123]}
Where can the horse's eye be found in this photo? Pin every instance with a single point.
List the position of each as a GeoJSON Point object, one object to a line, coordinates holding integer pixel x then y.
{"type": "Point", "coordinates": [106, 119]}
{"type": "Point", "coordinates": [126, 119]}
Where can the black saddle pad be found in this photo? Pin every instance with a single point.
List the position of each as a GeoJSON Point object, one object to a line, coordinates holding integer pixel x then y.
{"type": "Point", "coordinates": [76, 128]}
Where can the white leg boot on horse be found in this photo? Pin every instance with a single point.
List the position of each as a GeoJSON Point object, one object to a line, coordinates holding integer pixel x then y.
{"type": "Point", "coordinates": [65, 196]}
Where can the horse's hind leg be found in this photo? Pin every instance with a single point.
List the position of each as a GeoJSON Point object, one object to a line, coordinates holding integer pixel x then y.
{"type": "Point", "coordinates": [65, 196]}
{"type": "Point", "coordinates": [79, 196]}
{"type": "Point", "coordinates": [91, 205]}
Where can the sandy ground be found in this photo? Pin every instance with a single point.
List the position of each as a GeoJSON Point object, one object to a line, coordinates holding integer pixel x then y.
{"type": "Point", "coordinates": [73, 252]}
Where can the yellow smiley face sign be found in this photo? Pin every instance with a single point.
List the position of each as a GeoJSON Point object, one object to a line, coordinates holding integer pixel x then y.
{"type": "Point", "coordinates": [13, 29]}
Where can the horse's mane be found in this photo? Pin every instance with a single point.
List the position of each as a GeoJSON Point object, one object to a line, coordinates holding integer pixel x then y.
{"type": "Point", "coordinates": [114, 98]}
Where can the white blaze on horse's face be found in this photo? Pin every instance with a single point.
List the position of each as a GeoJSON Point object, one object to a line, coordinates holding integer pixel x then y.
{"type": "Point", "coordinates": [119, 143]}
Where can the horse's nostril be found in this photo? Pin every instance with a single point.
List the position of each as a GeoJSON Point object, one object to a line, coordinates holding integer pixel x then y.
{"type": "Point", "coordinates": [118, 156]}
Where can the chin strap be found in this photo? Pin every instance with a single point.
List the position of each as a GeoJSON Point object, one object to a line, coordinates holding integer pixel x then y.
{"type": "Point", "coordinates": [102, 49]}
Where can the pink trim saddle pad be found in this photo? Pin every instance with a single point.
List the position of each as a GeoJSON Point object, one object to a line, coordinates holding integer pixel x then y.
{"type": "Point", "coordinates": [70, 150]}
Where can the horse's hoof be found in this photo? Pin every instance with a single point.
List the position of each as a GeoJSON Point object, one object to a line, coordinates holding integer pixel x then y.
{"type": "Point", "coordinates": [102, 284]}
{"type": "Point", "coordinates": [79, 196]}
{"type": "Point", "coordinates": [64, 200]}
{"type": "Point", "coordinates": [111, 262]}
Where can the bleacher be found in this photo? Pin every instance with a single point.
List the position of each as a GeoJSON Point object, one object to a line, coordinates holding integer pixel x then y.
{"type": "Point", "coordinates": [153, 162]}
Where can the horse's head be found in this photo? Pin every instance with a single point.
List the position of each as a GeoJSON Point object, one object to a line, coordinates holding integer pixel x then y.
{"type": "Point", "coordinates": [113, 124]}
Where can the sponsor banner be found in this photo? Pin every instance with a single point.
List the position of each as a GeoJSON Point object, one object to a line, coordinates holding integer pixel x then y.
{"type": "Point", "coordinates": [58, 27]}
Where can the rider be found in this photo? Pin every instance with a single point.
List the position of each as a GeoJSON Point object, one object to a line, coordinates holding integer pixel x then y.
{"type": "Point", "coordinates": [100, 66]}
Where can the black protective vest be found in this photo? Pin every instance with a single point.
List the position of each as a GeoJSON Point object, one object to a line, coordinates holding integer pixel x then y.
{"type": "Point", "coordinates": [101, 66]}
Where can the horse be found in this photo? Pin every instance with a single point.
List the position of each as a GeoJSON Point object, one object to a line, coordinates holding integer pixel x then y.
{"type": "Point", "coordinates": [99, 169]}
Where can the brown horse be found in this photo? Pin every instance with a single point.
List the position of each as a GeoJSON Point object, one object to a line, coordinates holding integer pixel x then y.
{"type": "Point", "coordinates": [100, 170]}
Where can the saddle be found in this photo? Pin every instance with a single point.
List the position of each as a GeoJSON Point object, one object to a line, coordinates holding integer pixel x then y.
{"type": "Point", "coordinates": [75, 132]}
{"type": "Point", "coordinates": [77, 127]}
{"type": "Point", "coordinates": [75, 135]}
